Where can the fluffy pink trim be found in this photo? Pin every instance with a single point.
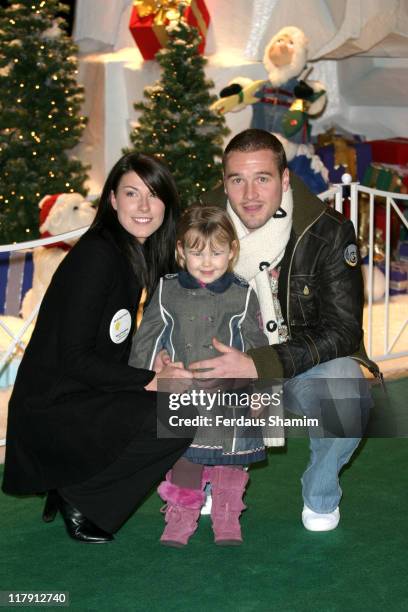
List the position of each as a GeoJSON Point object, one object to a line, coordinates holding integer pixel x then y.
{"type": "Point", "coordinates": [179, 496]}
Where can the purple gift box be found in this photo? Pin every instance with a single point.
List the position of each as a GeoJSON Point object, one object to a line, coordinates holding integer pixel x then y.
{"type": "Point", "coordinates": [398, 277]}
{"type": "Point", "coordinates": [403, 251]}
{"type": "Point", "coordinates": [363, 154]}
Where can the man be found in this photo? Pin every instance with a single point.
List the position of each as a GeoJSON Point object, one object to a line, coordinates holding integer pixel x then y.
{"type": "Point", "coordinates": [292, 244]}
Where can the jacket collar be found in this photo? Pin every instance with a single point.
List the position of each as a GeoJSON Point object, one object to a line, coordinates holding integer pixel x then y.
{"type": "Point", "coordinates": [306, 205]}
{"type": "Point", "coordinates": [219, 286]}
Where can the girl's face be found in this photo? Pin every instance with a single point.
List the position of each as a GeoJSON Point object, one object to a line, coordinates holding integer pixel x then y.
{"type": "Point", "coordinates": [139, 210]}
{"type": "Point", "coordinates": [209, 263]}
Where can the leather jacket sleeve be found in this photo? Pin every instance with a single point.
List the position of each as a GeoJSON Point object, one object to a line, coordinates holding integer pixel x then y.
{"type": "Point", "coordinates": [326, 322]}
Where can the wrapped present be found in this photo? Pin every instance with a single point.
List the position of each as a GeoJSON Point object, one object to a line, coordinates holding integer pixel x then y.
{"type": "Point", "coordinates": [385, 178]}
{"type": "Point", "coordinates": [336, 132]}
{"type": "Point", "coordinates": [344, 156]}
{"type": "Point", "coordinates": [197, 15]}
{"type": "Point", "coordinates": [390, 151]}
{"type": "Point", "coordinates": [402, 253]}
{"type": "Point", "coordinates": [401, 171]}
{"type": "Point", "coordinates": [398, 277]}
{"type": "Point", "coordinates": [150, 18]}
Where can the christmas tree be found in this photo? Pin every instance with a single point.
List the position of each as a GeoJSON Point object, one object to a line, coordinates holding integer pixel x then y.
{"type": "Point", "coordinates": [39, 114]}
{"type": "Point", "coordinates": [176, 123]}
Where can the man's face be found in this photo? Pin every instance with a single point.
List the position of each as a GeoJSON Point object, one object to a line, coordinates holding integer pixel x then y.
{"type": "Point", "coordinates": [253, 186]}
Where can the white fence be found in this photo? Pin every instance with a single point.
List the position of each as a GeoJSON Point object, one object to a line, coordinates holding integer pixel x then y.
{"type": "Point", "coordinates": [336, 195]}
{"type": "Point", "coordinates": [390, 199]}
{"type": "Point", "coordinates": [16, 339]}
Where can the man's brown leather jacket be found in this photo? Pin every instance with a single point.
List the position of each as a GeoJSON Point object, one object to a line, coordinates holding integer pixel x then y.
{"type": "Point", "coordinates": [320, 291]}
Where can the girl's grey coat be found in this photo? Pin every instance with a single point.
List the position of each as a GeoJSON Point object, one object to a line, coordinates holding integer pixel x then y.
{"type": "Point", "coordinates": [184, 320]}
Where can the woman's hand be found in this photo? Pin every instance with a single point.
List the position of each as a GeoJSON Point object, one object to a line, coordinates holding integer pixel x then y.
{"type": "Point", "coordinates": [173, 378]}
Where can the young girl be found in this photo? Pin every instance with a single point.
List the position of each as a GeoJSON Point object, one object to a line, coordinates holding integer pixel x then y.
{"type": "Point", "coordinates": [204, 300]}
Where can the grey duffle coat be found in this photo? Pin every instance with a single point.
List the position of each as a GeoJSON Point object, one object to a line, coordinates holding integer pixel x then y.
{"type": "Point", "coordinates": [183, 317]}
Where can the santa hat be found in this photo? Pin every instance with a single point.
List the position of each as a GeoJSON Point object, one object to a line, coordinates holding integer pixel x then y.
{"type": "Point", "coordinates": [45, 206]}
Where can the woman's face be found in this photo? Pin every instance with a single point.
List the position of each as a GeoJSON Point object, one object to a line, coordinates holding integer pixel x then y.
{"type": "Point", "coordinates": [139, 210]}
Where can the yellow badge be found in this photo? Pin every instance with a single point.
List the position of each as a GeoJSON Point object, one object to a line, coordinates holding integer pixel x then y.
{"type": "Point", "coordinates": [120, 326]}
{"type": "Point", "coordinates": [306, 290]}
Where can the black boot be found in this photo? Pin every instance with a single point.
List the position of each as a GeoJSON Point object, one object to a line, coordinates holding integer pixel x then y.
{"type": "Point", "coordinates": [51, 507]}
{"type": "Point", "coordinates": [78, 526]}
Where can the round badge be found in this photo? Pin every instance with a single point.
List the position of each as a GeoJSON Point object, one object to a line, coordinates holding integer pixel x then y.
{"type": "Point", "coordinates": [271, 326]}
{"type": "Point", "coordinates": [351, 255]}
{"type": "Point", "coordinates": [120, 326]}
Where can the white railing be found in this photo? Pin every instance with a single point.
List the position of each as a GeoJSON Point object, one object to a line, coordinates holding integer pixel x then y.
{"type": "Point", "coordinates": [16, 340]}
{"type": "Point", "coordinates": [335, 194]}
{"type": "Point", "coordinates": [28, 246]}
{"type": "Point", "coordinates": [390, 198]}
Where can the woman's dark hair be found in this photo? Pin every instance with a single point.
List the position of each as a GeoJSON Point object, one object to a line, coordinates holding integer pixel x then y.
{"type": "Point", "coordinates": [155, 257]}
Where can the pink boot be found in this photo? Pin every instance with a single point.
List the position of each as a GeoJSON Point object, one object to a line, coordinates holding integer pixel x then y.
{"type": "Point", "coordinates": [207, 474]}
{"type": "Point", "coordinates": [181, 512]}
{"type": "Point", "coordinates": [228, 487]}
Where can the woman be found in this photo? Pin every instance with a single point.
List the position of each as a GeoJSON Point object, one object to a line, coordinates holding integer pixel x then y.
{"type": "Point", "coordinates": [82, 424]}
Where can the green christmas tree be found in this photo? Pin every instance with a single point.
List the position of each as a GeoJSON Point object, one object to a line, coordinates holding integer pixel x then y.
{"type": "Point", "coordinates": [176, 123]}
{"type": "Point", "coordinates": [39, 114]}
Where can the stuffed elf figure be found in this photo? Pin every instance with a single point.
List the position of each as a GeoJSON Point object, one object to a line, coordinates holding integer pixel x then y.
{"type": "Point", "coordinates": [284, 103]}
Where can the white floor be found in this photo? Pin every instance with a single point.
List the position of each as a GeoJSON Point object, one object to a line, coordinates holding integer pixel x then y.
{"type": "Point", "coordinates": [398, 315]}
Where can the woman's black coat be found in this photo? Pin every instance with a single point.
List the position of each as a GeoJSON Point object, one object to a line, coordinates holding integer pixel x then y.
{"type": "Point", "coordinates": [76, 403]}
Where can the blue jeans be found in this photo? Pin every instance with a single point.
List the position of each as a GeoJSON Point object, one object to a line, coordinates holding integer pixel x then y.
{"type": "Point", "coordinates": [344, 395]}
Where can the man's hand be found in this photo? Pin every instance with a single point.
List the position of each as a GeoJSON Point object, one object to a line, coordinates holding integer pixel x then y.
{"type": "Point", "coordinates": [231, 364]}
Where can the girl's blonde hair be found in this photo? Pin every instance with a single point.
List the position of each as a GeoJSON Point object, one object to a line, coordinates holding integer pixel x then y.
{"type": "Point", "coordinates": [199, 225]}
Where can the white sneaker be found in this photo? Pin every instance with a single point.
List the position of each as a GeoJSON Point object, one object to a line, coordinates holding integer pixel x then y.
{"type": "Point", "coordinates": [206, 509]}
{"type": "Point", "coordinates": [314, 521]}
